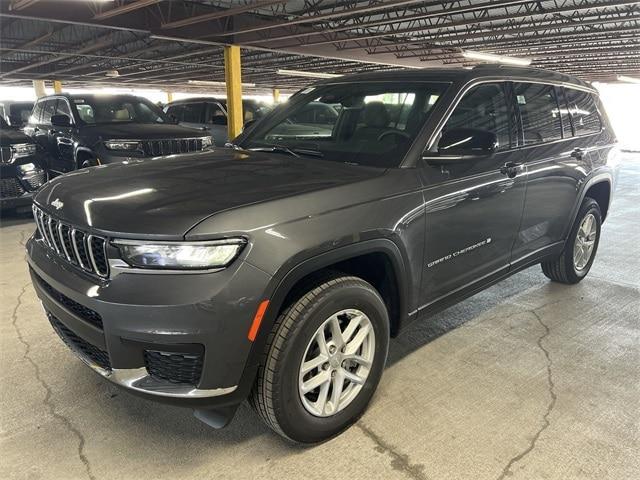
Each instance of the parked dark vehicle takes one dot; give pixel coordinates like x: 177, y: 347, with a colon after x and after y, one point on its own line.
x: 22, y: 171
x: 80, y: 131
x: 279, y: 272
x: 15, y: 113
x: 210, y: 114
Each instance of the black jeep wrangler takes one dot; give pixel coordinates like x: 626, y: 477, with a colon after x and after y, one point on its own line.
x: 279, y: 270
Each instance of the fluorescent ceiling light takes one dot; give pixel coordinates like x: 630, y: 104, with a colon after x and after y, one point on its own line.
x: 210, y: 83
x: 624, y: 78
x: 490, y: 57
x: 299, y: 73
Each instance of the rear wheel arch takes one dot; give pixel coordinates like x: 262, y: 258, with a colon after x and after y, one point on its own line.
x: 600, y: 191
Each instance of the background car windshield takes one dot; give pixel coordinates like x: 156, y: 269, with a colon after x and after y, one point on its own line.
x: 366, y: 124
x: 116, y: 110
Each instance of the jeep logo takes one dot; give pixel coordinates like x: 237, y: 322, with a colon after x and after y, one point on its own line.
x: 57, y: 204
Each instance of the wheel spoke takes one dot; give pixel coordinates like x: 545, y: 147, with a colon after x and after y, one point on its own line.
x: 337, y: 383
x: 354, y: 345
x: 322, y: 342
x: 354, y: 323
x: 321, y: 402
x: 314, y: 382
x: 352, y: 377
x: 336, y: 332
x: 313, y: 363
x: 358, y: 359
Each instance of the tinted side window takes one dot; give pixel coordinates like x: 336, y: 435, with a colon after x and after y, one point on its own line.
x: 583, y: 111
x: 175, y: 111
x: 63, y: 109
x: 37, y: 112
x: 193, y: 112
x: 215, y: 114
x: 48, y: 110
x: 539, y: 112
x: 484, y: 107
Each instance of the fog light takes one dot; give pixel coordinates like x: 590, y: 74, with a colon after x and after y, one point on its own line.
x: 26, y: 168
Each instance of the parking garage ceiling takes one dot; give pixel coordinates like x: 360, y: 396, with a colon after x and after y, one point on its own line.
x: 166, y: 44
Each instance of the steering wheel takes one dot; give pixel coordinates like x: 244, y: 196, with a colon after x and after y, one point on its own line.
x: 394, y: 132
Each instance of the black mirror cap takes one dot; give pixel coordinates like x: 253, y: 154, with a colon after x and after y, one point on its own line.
x: 60, y: 120
x: 467, y: 142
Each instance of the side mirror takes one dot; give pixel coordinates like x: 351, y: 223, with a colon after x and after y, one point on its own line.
x: 464, y: 144
x: 60, y: 120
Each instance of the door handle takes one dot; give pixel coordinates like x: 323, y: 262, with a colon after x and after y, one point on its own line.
x: 510, y: 169
x: 577, y: 153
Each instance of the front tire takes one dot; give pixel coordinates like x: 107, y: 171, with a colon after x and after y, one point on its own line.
x: 324, y: 359
x: 581, y: 246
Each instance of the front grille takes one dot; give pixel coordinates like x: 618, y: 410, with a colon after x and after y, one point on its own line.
x: 35, y: 180
x: 89, y: 252
x: 79, y: 345
x: 154, y: 148
x: 85, y: 313
x: 10, y: 187
x: 175, y: 367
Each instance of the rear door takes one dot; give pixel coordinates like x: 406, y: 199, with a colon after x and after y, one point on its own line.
x: 557, y: 162
x: 474, y: 208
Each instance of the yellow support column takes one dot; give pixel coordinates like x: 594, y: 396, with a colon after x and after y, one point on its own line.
x: 38, y: 86
x: 276, y: 95
x: 169, y: 97
x: 232, y: 77
x: 57, y: 86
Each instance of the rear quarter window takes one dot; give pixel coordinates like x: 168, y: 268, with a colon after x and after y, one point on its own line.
x: 583, y: 111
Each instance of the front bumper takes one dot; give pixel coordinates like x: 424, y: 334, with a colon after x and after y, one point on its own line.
x: 180, y: 339
x: 17, y: 188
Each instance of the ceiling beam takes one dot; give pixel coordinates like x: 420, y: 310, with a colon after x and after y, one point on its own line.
x: 229, y: 12
x: 125, y: 8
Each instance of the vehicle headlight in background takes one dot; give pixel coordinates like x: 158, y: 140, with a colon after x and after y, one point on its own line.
x: 27, y: 168
x: 19, y: 150
x: 180, y: 255
x: 207, y: 142
x: 127, y: 145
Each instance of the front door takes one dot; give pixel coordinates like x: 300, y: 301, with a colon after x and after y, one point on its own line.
x: 61, y: 140
x: 473, y: 207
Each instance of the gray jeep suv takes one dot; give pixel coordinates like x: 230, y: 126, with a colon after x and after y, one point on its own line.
x: 279, y: 270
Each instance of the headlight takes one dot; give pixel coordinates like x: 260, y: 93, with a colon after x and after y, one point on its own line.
x: 127, y: 145
x: 22, y: 150
x: 207, y: 142
x: 180, y: 255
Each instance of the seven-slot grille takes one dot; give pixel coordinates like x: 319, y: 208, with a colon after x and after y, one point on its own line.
x: 155, y: 148
x: 84, y: 250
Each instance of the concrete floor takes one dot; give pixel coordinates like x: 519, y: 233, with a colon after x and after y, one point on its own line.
x: 527, y: 380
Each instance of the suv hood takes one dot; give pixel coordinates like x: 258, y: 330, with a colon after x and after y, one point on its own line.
x: 141, y: 131
x: 9, y: 136
x: 166, y: 197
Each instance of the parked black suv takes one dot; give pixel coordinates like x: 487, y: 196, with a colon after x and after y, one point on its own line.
x: 22, y: 170
x: 86, y: 130
x: 278, y: 272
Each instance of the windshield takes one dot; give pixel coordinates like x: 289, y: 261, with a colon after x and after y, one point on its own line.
x: 371, y: 124
x: 93, y: 110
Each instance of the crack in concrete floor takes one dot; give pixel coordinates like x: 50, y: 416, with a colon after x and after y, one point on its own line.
x: 48, y: 402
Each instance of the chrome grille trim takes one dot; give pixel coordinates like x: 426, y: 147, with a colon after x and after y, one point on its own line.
x: 56, y: 234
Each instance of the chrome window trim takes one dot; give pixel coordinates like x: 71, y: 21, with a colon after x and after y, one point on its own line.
x: 503, y: 79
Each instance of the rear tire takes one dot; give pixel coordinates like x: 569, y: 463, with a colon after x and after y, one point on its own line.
x: 283, y: 396
x: 581, y: 246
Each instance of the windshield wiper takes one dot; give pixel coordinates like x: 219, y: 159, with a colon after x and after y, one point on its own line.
x: 275, y: 149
